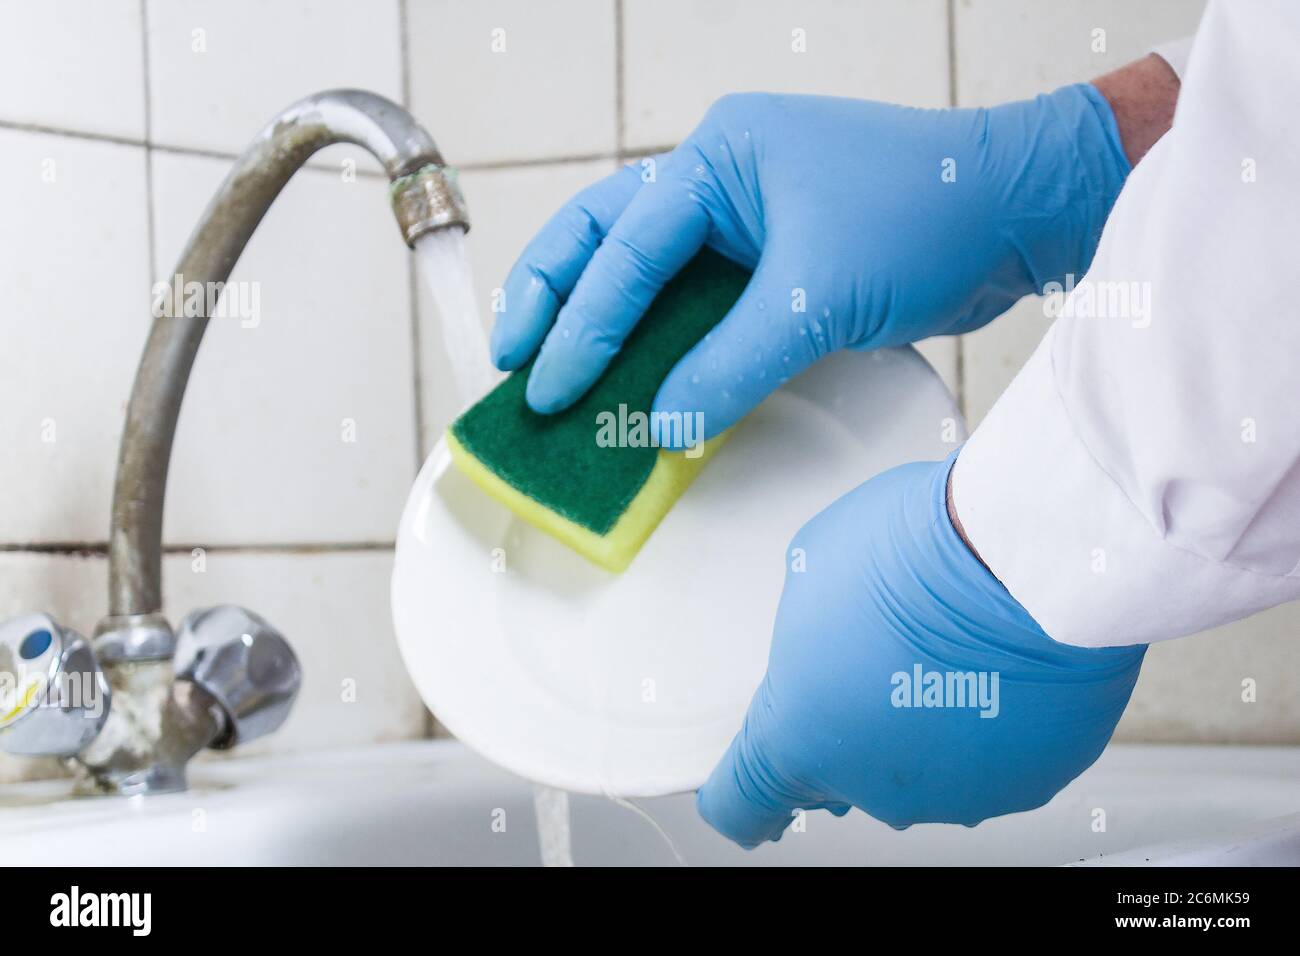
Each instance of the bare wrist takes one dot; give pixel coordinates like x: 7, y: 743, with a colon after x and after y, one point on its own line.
x: 1142, y: 96
x: 956, y: 525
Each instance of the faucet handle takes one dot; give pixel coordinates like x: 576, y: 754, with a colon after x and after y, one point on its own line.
x: 244, y: 663
x: 54, y: 698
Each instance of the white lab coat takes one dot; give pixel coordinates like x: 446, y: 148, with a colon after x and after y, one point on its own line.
x: 1140, y: 478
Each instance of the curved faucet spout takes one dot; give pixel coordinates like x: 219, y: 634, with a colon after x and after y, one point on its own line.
x: 425, y: 197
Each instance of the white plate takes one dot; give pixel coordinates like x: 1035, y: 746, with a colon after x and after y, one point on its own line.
x: 633, y: 684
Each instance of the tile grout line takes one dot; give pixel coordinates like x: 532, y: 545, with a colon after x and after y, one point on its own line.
x: 495, y: 165
x: 97, y: 549
x: 952, y: 52
x: 147, y: 143
x: 404, y: 57
x: 620, y: 76
x: 151, y: 237
x: 100, y: 548
x: 959, y: 362
x: 171, y: 149
x: 412, y: 277
x: 22, y: 127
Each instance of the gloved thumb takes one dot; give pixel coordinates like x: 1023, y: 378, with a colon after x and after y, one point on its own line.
x: 761, y: 343
x: 748, y: 798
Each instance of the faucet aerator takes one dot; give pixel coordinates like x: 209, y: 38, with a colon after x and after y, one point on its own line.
x: 426, y: 200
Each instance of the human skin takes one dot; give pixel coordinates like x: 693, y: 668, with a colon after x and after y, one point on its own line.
x: 1142, y: 95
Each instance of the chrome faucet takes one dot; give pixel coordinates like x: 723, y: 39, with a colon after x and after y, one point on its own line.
x: 131, y: 707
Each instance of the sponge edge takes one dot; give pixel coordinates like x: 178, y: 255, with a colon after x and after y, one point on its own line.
x: 672, y: 473
x: 602, y: 494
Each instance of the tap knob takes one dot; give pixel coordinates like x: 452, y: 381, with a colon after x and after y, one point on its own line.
x: 54, y: 698
x: 244, y: 663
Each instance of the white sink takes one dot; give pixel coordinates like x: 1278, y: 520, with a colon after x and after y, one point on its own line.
x: 434, y: 802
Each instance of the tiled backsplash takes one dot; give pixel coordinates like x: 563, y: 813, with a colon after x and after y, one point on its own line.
x: 108, y: 155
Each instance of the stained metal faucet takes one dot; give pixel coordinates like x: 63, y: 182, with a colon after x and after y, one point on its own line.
x: 131, y: 707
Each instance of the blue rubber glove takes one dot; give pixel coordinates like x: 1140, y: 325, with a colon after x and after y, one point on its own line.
x: 889, y: 591
x: 865, y: 224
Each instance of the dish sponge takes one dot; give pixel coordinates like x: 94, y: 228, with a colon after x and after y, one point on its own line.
x: 562, y: 473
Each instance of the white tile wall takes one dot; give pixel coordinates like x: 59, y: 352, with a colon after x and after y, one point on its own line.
x: 73, y: 64
x: 1192, y: 689
x: 219, y: 71
x: 502, y: 80
x: 1009, y: 49
x: 74, y: 309
x: 680, y: 55
x: 992, y: 356
x: 259, y: 459
x: 264, y: 451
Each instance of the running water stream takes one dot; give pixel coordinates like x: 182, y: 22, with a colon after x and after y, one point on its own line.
x: 442, y: 258
x: 553, y: 839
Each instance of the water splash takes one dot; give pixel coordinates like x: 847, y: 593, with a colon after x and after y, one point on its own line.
x: 443, y: 260
x: 645, y: 815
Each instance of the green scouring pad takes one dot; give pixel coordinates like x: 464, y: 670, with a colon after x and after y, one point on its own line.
x: 602, y: 499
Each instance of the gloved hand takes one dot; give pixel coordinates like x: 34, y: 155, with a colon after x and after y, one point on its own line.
x: 890, y: 601
x: 866, y: 225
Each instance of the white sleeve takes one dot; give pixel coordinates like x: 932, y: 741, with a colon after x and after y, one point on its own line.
x: 1140, y: 478
x: 1176, y: 53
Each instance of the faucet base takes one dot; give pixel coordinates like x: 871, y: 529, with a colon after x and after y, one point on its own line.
x: 134, y: 637
x: 145, y: 781
x: 156, y: 725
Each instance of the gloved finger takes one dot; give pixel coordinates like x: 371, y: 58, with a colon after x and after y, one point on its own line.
x: 663, y: 226
x: 551, y: 263
x: 758, y: 346
x: 748, y: 798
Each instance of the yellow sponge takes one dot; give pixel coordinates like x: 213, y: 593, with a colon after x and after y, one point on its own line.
x: 614, y: 550
x: 561, y: 472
